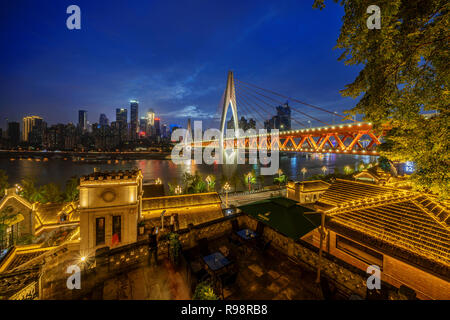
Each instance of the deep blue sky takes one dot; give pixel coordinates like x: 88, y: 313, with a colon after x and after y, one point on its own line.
x: 172, y: 56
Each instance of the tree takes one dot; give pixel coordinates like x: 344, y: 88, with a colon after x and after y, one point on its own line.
x: 50, y: 193
x: 280, y: 179
x: 236, y: 180
x: 405, y: 73
x: 6, y: 215
x: 3, y: 182
x: 29, y: 190
x: 384, y: 164
x: 261, y: 180
x: 71, y: 193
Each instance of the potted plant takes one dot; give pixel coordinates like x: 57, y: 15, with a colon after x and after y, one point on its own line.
x: 141, y: 227
x: 204, y: 291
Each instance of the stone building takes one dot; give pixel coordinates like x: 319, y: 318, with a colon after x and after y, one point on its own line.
x: 306, y: 191
x: 109, y: 209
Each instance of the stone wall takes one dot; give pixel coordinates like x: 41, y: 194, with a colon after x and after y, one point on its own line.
x: 347, y: 280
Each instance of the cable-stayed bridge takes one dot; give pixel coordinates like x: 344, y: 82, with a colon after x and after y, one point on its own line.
x: 313, y: 132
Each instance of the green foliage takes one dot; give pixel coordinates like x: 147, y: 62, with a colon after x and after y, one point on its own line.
x: 3, y: 182
x: 210, y: 182
x: 71, y: 193
x: 236, y: 180
x: 6, y: 214
x: 280, y: 179
x: 261, y: 180
x: 50, y: 193
x: 204, y: 291
x: 29, y: 190
x: 174, y: 248
x: 250, y: 178
x: 172, y: 186
x: 384, y: 163
x: 405, y: 72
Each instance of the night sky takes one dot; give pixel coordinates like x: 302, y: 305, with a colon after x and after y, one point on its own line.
x: 172, y: 56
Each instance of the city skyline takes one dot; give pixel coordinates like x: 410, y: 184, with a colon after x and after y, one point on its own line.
x: 165, y: 69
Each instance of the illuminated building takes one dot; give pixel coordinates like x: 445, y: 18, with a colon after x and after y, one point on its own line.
x: 109, y: 209
x: 134, y: 119
x: 157, y: 127
x: 82, y: 120
x: 405, y: 233
x: 27, y: 126
x: 121, y: 121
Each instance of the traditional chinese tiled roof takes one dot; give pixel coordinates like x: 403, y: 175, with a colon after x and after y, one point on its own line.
x: 13, y: 282
x: 343, y: 192
x: 414, y: 227
x: 49, y: 215
x: 21, y: 255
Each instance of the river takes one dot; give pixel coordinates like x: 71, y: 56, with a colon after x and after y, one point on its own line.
x: 59, y: 171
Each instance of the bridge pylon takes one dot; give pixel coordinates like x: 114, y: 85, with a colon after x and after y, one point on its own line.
x: 229, y: 98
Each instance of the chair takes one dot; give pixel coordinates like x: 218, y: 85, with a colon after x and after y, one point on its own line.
x: 235, y: 225
x: 260, y: 228
x: 203, y: 246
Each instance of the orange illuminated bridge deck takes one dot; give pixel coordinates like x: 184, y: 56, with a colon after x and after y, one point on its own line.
x: 353, y: 138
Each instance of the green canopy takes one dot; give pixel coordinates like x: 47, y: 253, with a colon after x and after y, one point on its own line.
x: 284, y: 215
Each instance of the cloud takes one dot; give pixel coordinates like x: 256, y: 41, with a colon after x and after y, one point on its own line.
x: 189, y: 112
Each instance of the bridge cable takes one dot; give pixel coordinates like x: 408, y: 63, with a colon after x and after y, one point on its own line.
x: 277, y: 101
x: 270, y: 115
x: 293, y: 99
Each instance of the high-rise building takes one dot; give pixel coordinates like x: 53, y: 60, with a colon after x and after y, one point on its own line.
x: 142, y: 127
x: 13, y: 133
x: 103, y: 121
x: 82, y: 119
x: 35, y: 137
x: 150, y: 122
x: 157, y: 127
x: 27, y: 125
x: 121, y: 120
x: 282, y: 120
x: 134, y: 119
x: 164, y: 131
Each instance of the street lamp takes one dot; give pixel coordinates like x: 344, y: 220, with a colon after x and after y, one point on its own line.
x: 324, y: 169
x: 227, y: 188
x: 249, y: 179
x: 304, y: 171
x: 178, y: 190
x: 158, y: 181
x: 208, y: 181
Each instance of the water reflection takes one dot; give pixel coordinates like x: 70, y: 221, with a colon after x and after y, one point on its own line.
x: 59, y: 170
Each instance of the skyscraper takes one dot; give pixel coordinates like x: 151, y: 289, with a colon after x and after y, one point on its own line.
x: 13, y: 133
x: 82, y: 119
x: 27, y: 125
x: 150, y: 122
x: 121, y: 116
x: 157, y: 127
x: 134, y: 119
x: 103, y: 121
x: 121, y: 120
